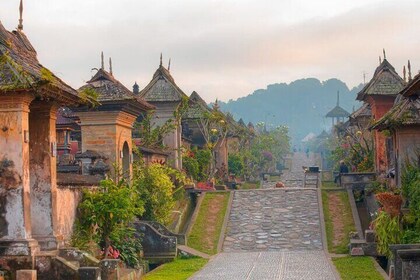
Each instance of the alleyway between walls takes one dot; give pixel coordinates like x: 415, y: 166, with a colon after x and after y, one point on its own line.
x: 274, y: 233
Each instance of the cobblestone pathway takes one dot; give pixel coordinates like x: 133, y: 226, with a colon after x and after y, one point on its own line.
x: 272, y: 220
x: 273, y: 234
x: 293, y: 178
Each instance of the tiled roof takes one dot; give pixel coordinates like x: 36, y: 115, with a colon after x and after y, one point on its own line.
x: 337, y: 112
x: 110, y: 89
x: 21, y: 70
x: 385, y: 81
x: 162, y: 88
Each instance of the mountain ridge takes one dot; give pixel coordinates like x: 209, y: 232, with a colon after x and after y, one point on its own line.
x: 301, y: 105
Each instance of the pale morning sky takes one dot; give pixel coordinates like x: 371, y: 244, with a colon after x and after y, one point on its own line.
x: 222, y: 49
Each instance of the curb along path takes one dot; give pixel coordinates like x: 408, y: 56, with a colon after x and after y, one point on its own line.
x: 273, y: 234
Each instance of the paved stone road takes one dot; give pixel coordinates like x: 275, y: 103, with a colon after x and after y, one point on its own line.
x: 273, y: 234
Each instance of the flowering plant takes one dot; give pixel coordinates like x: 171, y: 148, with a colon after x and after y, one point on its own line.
x: 113, y: 253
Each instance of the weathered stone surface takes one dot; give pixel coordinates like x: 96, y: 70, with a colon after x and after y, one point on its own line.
x: 89, y: 273
x: 370, y: 236
x: 26, y: 274
x: 357, y: 251
x: 410, y: 263
x: 397, y: 260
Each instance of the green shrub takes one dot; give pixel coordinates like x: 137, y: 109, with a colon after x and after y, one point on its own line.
x: 104, y: 221
x: 155, y: 187
x: 388, y: 231
x: 236, y: 164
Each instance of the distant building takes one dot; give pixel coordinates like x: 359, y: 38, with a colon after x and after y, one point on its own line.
x: 337, y: 114
x: 166, y: 96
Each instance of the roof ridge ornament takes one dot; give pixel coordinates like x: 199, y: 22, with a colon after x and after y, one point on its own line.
x: 20, y: 25
x: 160, y: 59
x: 404, y: 74
x: 110, y: 66
x: 102, y: 60
x: 383, y: 50
x: 409, y: 70
x: 169, y: 65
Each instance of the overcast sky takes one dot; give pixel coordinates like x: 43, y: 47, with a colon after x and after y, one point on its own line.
x: 222, y: 49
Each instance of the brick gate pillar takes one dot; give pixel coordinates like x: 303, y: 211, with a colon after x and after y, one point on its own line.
x: 43, y: 172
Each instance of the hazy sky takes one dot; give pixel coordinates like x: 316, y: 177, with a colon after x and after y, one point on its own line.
x: 221, y: 49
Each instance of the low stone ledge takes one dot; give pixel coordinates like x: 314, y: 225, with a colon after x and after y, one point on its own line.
x: 397, y: 261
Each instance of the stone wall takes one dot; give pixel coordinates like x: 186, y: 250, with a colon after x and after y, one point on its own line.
x: 68, y: 198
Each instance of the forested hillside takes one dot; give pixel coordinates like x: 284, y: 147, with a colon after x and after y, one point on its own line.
x: 301, y: 105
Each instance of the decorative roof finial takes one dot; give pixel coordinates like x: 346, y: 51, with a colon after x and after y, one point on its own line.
x: 380, y: 60
x: 20, y: 25
x: 160, y: 59
x: 338, y: 98
x: 383, y: 50
x: 136, y: 88
x: 110, y: 66
x: 102, y: 60
x: 404, y: 74
x: 216, y: 105
x: 409, y: 70
x: 169, y: 65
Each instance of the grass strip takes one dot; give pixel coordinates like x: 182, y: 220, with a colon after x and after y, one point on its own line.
x: 250, y: 185
x: 179, y: 269
x: 357, y: 268
x: 206, y: 230
x: 345, y: 214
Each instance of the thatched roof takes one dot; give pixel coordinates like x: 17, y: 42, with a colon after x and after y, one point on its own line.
x: 110, y: 89
x: 20, y: 70
x: 363, y: 111
x: 385, y: 81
